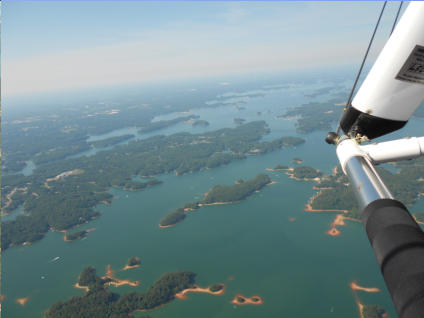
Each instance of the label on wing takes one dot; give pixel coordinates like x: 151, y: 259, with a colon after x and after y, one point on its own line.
x: 413, y: 69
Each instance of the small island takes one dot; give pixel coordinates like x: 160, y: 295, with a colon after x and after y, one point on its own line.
x: 305, y: 173
x: 279, y: 168
x: 219, y: 194
x: 133, y: 262
x: 297, y: 160
x: 240, y: 300
x: 22, y: 301
x: 239, y: 121
x: 200, y: 123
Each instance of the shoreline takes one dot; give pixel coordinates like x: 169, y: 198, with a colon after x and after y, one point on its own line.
x: 197, y: 289
x: 78, y: 286
x: 22, y: 301
x: 127, y: 267
x: 116, y: 281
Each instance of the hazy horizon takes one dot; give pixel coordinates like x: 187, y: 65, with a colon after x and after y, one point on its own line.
x: 59, y: 46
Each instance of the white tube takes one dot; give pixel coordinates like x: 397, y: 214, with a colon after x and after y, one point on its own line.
x: 394, y: 87
x: 395, y: 150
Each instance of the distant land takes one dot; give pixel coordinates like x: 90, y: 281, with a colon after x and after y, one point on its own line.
x: 219, y: 194
x: 200, y: 123
x: 57, y: 198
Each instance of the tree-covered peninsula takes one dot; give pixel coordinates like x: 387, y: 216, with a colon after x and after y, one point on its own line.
x: 219, y: 194
x: 52, y: 202
x: 336, y: 194
x: 99, y: 302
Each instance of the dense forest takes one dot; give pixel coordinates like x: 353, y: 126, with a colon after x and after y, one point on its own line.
x: 133, y: 261
x: 200, y: 123
x: 306, y: 172
x: 99, y: 302
x: 76, y: 235
x: 219, y: 194
x: 65, y: 202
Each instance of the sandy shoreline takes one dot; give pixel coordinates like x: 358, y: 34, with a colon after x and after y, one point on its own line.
x: 198, y: 289
x: 22, y: 301
x: 110, y: 274
x: 78, y: 286
x: 127, y: 267
x: 355, y: 287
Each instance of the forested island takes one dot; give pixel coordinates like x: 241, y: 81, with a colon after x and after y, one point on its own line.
x: 99, y: 302
x: 305, y: 173
x: 279, y: 167
x: 67, y: 202
x: 219, y: 194
x: 133, y: 262
x: 200, y: 123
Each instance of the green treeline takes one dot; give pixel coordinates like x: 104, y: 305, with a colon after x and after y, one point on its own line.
x: 280, y: 167
x: 99, y: 302
x: 110, y: 141
x: 134, y: 261
x: 173, y: 218
x: 314, y: 116
x: 220, y: 193
x: 236, y: 192
x: 70, y: 201
x: 76, y: 235
x: 156, y: 125
x: 200, y: 123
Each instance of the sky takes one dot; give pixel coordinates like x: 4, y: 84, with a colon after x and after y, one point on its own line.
x: 51, y: 46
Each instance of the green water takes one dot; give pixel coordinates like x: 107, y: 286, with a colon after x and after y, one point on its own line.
x: 295, y: 267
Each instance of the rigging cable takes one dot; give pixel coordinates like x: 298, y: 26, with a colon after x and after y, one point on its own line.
x: 397, y: 16
x: 362, y: 65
